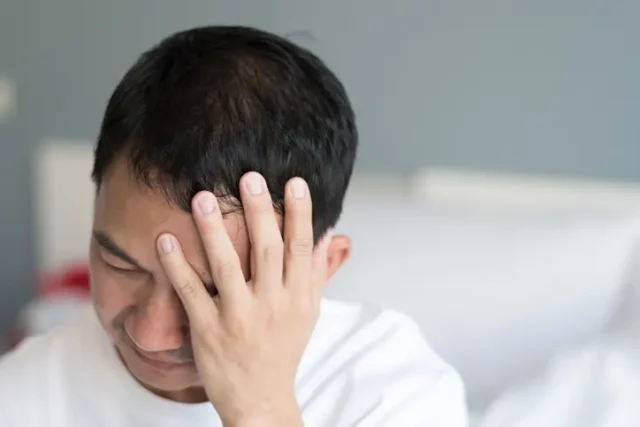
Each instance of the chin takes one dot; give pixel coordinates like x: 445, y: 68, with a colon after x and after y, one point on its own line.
x: 177, y: 390
x: 165, y: 382
x: 160, y: 379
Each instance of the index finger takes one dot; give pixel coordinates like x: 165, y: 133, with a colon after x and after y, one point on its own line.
x: 196, y: 300
x: 222, y: 257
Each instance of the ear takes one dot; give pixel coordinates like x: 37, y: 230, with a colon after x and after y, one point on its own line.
x: 338, y: 253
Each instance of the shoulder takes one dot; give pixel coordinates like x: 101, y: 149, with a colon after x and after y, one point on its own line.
x: 395, y: 377
x: 24, y: 371
x: 28, y: 367
x: 27, y: 360
x: 377, y: 336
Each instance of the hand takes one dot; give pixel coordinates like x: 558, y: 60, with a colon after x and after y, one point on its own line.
x: 249, y: 339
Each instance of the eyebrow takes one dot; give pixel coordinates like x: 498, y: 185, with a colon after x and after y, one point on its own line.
x: 110, y: 246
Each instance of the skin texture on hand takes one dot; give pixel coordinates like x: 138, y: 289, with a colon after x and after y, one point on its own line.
x: 249, y: 339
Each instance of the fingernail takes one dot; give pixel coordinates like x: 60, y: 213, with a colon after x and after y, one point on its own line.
x: 166, y: 244
x: 206, y: 203
x: 254, y: 183
x: 298, y: 188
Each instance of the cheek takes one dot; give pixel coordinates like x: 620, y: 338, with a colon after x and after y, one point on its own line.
x: 109, y: 295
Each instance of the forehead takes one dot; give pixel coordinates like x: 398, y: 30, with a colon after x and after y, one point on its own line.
x: 134, y: 216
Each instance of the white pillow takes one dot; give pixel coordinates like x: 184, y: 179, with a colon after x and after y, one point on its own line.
x: 495, y: 292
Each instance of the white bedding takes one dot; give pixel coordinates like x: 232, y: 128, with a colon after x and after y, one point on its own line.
x: 595, y: 386
x: 496, y: 292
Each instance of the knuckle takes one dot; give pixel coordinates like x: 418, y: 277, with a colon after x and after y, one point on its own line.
x: 264, y: 205
x: 211, y: 228
x: 225, y: 270
x: 270, y: 320
x: 271, y: 253
x: 300, y: 247
x: 238, y: 329
x: 307, y: 307
x: 207, y: 227
x: 261, y: 205
x: 203, y: 327
x: 187, y: 289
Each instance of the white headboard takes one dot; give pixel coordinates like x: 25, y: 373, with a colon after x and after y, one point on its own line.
x: 64, y: 201
x: 64, y: 194
x: 513, y: 190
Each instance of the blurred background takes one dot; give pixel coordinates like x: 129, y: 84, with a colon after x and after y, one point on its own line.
x: 545, y: 90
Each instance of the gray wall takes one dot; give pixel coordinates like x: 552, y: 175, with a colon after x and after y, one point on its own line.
x: 543, y: 86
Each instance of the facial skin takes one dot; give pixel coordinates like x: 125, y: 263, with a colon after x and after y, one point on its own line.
x: 134, y: 300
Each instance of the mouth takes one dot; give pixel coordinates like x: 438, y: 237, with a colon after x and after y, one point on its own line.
x: 160, y: 365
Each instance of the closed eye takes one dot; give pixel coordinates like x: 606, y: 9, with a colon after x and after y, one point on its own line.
x: 110, y: 250
x: 122, y: 269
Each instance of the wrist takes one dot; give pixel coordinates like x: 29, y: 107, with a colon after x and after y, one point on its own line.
x: 284, y: 413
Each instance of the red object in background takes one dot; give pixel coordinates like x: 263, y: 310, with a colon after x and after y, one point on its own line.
x: 74, y: 279
x: 59, y: 295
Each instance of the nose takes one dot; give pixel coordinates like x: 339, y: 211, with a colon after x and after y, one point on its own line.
x: 159, y: 323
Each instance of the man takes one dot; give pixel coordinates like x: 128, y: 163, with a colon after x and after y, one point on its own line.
x: 220, y: 169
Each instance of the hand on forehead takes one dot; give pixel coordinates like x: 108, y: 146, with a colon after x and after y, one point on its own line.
x: 130, y: 217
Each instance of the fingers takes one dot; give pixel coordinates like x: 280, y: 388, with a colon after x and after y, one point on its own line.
x: 264, y: 233
x: 298, y: 234
x: 224, y: 263
x: 195, y: 298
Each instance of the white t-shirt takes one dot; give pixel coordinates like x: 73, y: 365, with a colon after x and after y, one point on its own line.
x: 361, y: 368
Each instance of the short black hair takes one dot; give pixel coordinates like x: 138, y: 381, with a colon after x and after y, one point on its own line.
x: 209, y: 104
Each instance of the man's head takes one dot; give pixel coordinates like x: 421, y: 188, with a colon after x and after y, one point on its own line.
x: 195, y: 113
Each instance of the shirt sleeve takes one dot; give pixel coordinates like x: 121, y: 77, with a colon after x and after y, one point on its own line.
x: 411, y: 404
x: 23, y: 383
x: 10, y: 386
x: 402, y: 382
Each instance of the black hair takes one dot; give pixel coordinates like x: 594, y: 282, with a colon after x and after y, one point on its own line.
x: 209, y: 104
